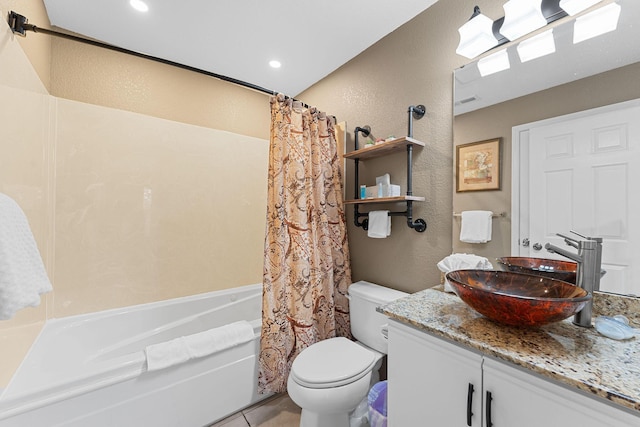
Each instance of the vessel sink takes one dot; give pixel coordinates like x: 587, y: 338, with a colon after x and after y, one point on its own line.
x: 552, y: 268
x: 517, y: 299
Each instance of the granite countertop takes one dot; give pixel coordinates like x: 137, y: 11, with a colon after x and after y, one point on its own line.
x: 575, y: 356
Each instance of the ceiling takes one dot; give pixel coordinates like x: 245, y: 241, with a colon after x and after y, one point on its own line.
x: 238, y: 38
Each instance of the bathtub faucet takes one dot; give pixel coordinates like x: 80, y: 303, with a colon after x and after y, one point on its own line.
x: 589, y: 260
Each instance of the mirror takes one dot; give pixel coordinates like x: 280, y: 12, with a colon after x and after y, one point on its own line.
x: 570, y: 62
x: 540, y: 89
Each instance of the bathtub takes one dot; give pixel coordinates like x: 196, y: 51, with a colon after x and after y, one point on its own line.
x: 90, y: 370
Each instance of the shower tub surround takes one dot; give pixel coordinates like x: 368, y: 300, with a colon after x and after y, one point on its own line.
x: 578, y: 358
x: 91, y: 369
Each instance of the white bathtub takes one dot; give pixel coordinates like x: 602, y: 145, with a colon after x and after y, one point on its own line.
x: 90, y: 370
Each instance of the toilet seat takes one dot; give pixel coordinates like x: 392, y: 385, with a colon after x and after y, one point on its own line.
x: 332, y: 363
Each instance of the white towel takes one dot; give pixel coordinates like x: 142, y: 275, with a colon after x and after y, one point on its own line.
x: 379, y: 224
x: 22, y: 274
x: 165, y: 354
x: 182, y: 349
x: 476, y: 226
x: 217, y: 339
x: 462, y: 262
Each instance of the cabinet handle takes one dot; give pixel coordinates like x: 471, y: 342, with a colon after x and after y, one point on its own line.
x: 487, y: 409
x: 469, y: 404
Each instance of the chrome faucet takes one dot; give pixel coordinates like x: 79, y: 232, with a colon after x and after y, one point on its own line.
x: 589, y: 259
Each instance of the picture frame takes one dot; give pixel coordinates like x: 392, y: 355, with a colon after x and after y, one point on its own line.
x: 478, y: 166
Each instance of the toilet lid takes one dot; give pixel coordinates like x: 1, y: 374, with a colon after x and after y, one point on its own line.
x: 331, y: 363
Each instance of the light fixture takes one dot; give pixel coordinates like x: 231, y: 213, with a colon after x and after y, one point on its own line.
x: 522, y: 17
x: 596, y: 23
x: 573, y: 7
x: 494, y: 63
x: 275, y: 63
x: 476, y: 35
x: 537, y: 46
x: 139, y: 5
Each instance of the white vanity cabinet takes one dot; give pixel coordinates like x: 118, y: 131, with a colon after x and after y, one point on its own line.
x: 433, y: 382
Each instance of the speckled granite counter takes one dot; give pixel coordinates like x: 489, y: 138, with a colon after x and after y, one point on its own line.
x: 575, y: 356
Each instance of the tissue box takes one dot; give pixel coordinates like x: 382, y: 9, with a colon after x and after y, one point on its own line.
x: 392, y: 191
x: 372, y: 192
x: 387, y: 191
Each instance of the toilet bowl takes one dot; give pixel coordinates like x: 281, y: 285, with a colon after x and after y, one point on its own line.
x: 330, y: 378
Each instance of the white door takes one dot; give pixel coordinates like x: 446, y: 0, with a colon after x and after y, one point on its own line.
x: 584, y: 175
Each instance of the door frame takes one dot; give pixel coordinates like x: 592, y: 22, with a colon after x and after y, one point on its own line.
x: 520, y: 168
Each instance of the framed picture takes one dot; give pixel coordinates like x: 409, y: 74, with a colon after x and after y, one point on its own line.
x: 478, y: 166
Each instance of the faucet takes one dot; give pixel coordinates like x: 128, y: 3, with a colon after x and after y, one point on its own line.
x: 589, y: 260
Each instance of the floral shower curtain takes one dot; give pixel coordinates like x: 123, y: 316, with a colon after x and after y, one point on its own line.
x: 306, y: 259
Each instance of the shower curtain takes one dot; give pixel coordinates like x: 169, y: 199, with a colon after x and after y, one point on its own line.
x: 306, y: 256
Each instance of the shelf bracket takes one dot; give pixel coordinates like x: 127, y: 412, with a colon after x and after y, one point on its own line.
x: 415, y: 112
x: 419, y: 224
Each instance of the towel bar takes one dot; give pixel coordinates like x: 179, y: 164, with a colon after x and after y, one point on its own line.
x: 500, y: 215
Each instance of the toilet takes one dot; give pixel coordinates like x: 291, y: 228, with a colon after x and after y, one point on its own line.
x: 330, y: 378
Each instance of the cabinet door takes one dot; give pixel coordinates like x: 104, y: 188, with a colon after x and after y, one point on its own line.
x: 431, y: 381
x: 523, y: 399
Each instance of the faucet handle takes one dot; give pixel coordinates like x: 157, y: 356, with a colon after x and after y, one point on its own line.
x: 595, y: 239
x: 570, y: 240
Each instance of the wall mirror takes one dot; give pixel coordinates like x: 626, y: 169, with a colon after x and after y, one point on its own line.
x: 570, y: 62
x: 530, y: 86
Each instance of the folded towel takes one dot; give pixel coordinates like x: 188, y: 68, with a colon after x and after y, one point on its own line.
x: 462, y: 262
x: 217, y: 339
x: 476, y: 226
x: 22, y: 274
x: 165, y: 354
x: 379, y: 224
x: 182, y: 349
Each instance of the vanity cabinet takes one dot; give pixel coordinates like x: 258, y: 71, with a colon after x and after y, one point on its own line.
x: 433, y: 382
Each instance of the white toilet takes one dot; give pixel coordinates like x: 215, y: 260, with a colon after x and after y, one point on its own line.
x: 330, y: 378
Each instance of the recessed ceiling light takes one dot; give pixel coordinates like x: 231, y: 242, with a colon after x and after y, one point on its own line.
x: 275, y: 64
x: 139, y: 5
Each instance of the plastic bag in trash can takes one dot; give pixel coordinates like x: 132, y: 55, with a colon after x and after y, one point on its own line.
x: 378, y: 405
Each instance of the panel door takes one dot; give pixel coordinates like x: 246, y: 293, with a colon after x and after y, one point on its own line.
x: 584, y: 175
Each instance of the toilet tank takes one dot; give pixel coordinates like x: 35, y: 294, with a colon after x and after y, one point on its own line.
x: 366, y: 322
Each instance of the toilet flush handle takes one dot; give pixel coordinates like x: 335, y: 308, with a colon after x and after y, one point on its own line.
x: 384, y: 330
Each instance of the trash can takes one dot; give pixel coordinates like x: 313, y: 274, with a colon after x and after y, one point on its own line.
x: 377, y: 400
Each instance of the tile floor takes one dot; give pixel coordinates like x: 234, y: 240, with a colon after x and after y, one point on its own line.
x: 276, y: 411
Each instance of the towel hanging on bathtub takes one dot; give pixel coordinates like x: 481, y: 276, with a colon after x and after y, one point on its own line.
x: 476, y: 226
x: 182, y: 349
x: 22, y: 274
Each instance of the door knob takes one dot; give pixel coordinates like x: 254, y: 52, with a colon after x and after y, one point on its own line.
x: 537, y: 246
x: 525, y: 242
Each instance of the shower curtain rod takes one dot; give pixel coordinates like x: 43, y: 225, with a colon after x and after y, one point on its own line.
x: 19, y: 24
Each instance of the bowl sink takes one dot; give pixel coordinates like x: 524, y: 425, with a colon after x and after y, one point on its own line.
x: 552, y: 268
x: 517, y: 299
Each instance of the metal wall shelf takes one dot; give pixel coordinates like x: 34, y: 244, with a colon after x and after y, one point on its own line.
x: 382, y: 149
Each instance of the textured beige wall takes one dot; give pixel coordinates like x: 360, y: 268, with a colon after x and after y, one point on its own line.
x: 103, y: 77
x: 411, y: 66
